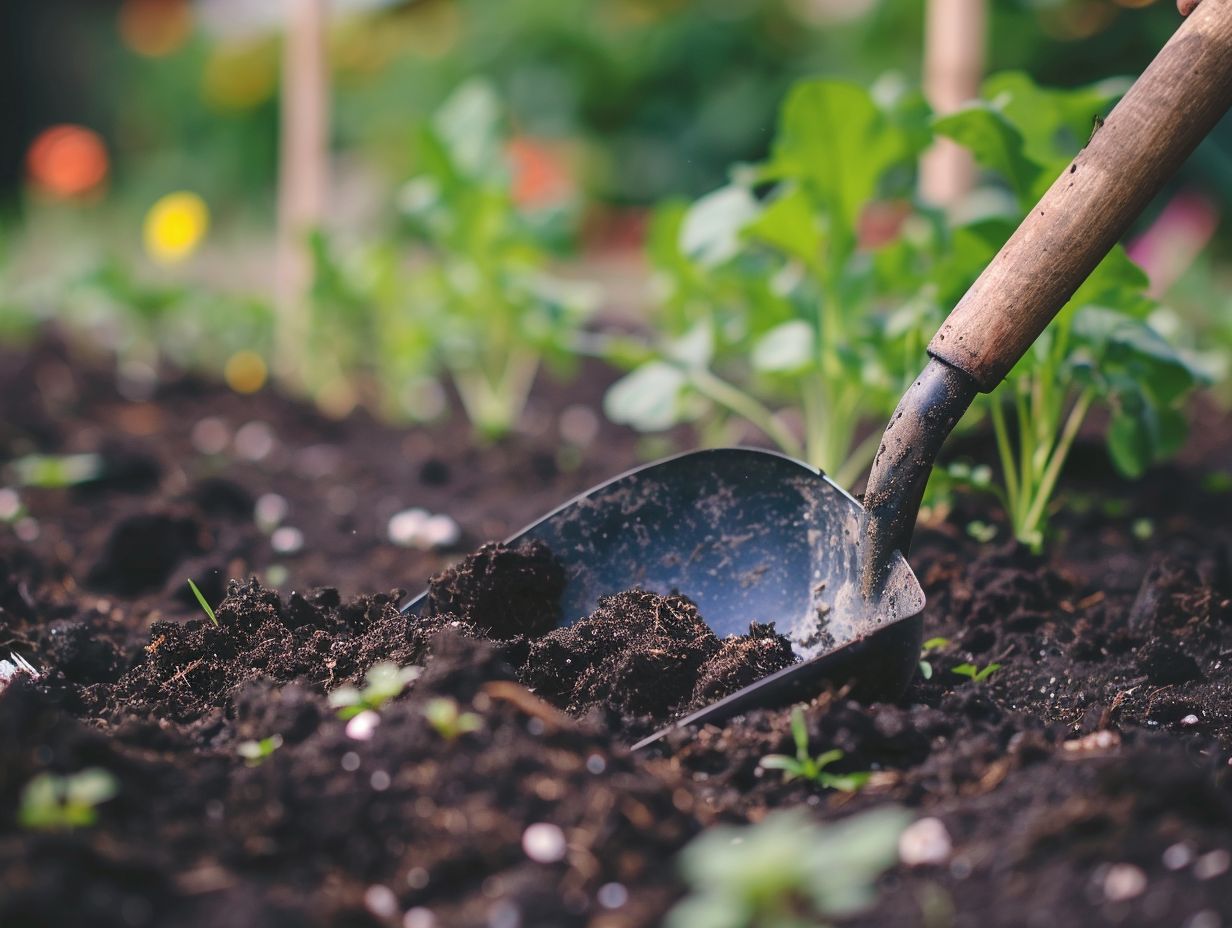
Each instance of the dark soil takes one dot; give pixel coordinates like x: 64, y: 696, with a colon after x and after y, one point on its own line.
x: 1102, y: 743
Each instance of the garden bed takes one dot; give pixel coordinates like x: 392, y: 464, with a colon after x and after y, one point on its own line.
x: 1085, y: 782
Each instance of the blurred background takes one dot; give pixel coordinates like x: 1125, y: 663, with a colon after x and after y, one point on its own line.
x: 176, y: 175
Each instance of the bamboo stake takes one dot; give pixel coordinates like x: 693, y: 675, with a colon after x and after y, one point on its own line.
x: 955, y: 34
x: 303, y: 176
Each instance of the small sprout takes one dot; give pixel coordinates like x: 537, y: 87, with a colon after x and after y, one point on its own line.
x: 975, y: 674
x: 209, y: 611
x: 806, y: 767
x: 256, y: 753
x: 383, y: 682
x: 931, y: 645
x: 52, y: 803
x: 448, y: 720
x: 54, y: 472
x: 982, y: 532
x: 1143, y: 529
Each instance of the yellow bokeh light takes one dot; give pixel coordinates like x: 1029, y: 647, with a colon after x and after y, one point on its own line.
x: 245, y: 372
x: 175, y: 226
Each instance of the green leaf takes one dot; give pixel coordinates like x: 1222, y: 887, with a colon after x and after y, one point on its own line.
x: 469, y: 125
x: 648, y: 398
x: 791, y: 224
x: 786, y: 349
x: 994, y: 142
x: 833, y: 136
x: 710, y: 232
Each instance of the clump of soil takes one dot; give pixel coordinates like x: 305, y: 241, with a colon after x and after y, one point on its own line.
x: 639, y: 655
x: 503, y: 590
x: 645, y: 655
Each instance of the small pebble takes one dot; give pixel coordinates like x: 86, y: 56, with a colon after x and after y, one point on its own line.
x: 1123, y: 882
x: 211, y: 436
x: 405, y: 526
x: 1190, y: 720
x: 1178, y: 856
x: 362, y: 726
x: 612, y: 895
x: 440, y: 531
x: 287, y: 540
x: 26, y: 529
x: 269, y: 511
x: 417, y: 878
x: 10, y: 504
x: 350, y: 761
x: 544, y: 843
x: 380, y: 781
x: 925, y: 843
x: 504, y: 914
x: 578, y: 425
x: 1207, y: 918
x: 419, y: 917
x: 381, y: 901
x: 254, y: 441
x: 1096, y: 741
x: 596, y: 764
x: 1212, y: 864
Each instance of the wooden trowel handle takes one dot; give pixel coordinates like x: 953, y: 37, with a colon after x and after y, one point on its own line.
x: 1165, y: 114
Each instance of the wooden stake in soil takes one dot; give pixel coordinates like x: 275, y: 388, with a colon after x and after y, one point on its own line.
x: 954, y: 39
x: 303, y: 175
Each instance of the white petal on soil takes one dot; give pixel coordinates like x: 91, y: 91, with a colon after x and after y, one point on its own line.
x: 925, y: 843
x: 363, y: 725
x: 1123, y: 882
x: 544, y: 843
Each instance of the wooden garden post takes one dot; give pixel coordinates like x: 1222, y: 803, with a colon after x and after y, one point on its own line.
x: 954, y: 43
x: 303, y: 175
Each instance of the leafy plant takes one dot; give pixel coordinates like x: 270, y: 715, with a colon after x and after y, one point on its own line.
x: 256, y: 753
x: 790, y: 310
x: 1101, y: 348
x: 53, y: 472
x: 383, y: 682
x: 975, y: 674
x: 787, y: 871
x: 806, y: 767
x: 51, y: 802
x: 205, y: 606
x: 448, y: 720
x: 929, y: 646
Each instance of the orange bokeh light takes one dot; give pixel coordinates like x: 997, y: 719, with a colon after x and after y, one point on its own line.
x: 67, y: 160
x: 155, y: 28
x: 541, y: 174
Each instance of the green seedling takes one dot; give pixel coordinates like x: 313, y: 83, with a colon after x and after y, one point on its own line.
x: 806, y: 767
x: 53, y: 472
x: 256, y: 753
x: 55, y: 803
x: 974, y: 673
x: 787, y: 871
x: 448, y: 720
x: 205, y: 606
x: 1101, y: 349
x: 981, y: 531
x: 931, y: 645
x: 383, y: 682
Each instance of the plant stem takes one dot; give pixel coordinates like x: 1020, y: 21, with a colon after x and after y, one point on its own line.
x: 739, y: 402
x: 1009, y: 473
x: 1048, y: 481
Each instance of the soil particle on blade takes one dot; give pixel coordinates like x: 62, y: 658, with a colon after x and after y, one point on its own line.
x: 504, y: 590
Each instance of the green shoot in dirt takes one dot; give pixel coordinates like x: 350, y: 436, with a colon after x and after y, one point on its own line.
x: 931, y: 645
x: 1101, y: 349
x: 787, y: 871
x: 974, y: 673
x: 205, y: 606
x: 256, y: 753
x: 448, y: 720
x: 383, y: 682
x: 56, y: 803
x: 806, y: 767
